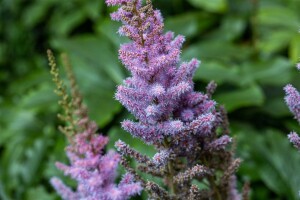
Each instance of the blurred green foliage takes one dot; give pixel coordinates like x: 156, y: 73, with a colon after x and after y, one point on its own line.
x: 248, y: 47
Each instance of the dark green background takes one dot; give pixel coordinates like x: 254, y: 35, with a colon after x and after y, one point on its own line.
x: 249, y: 47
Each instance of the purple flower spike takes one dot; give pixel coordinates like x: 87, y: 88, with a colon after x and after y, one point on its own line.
x: 295, y: 139
x: 178, y: 121
x: 292, y: 99
x: 93, y: 171
x: 160, y: 86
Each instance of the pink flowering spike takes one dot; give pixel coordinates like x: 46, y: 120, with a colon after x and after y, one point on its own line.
x: 177, y: 42
x: 292, y: 99
x: 295, y: 139
x: 202, y: 125
x: 171, y: 127
x: 157, y: 90
x: 220, y: 143
x: 298, y: 66
x: 205, y: 107
x: 130, y: 189
x: 147, y: 133
x: 126, y: 179
x: 116, y: 2
x: 195, y: 98
x: 65, y: 192
x: 177, y: 91
x: 152, y: 110
x: 186, y: 71
x: 161, y: 158
x: 233, y: 193
x: 93, y: 171
x: 187, y: 115
x: 133, y: 103
x: 108, y: 165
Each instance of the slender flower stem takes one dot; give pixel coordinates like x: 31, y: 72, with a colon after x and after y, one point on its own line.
x: 170, y: 176
x: 211, y: 180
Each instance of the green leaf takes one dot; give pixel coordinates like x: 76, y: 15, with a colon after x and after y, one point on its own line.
x: 251, y: 96
x: 36, y: 12
x: 214, y: 50
x: 219, y: 6
x: 294, y: 50
x: 93, y: 9
x: 71, y: 20
x: 117, y: 133
x: 274, y: 41
x: 189, y: 24
x: 33, y: 157
x: 274, y: 159
x: 109, y: 29
x: 216, y: 71
x: 232, y: 27
x: 97, y: 70
x: 30, y: 81
x: 40, y: 99
x: 98, y: 91
x: 278, y: 16
x: 265, y: 72
x: 95, y: 51
x: 39, y: 193
x: 276, y: 107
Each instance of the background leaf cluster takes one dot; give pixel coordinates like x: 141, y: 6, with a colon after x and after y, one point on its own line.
x: 248, y: 47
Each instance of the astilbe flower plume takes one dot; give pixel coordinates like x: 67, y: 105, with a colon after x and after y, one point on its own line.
x: 93, y: 171
x: 292, y: 99
x: 189, y: 133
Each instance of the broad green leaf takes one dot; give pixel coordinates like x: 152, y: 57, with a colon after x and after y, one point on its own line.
x: 98, y: 91
x: 41, y: 98
x: 189, y: 24
x: 274, y: 159
x: 26, y: 83
x: 274, y: 41
x: 93, y: 9
x: 39, y: 193
x: 219, y: 6
x: 71, y: 20
x: 278, y: 16
x: 294, y: 50
x: 217, y: 51
x: 32, y: 162
x: 3, y: 194
x: 216, y: 71
x: 276, y: 107
x: 110, y: 30
x: 265, y: 72
x: 251, y: 96
x: 95, y: 51
x: 98, y: 71
x: 117, y: 133
x: 232, y: 27
x: 35, y: 13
